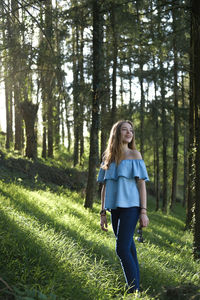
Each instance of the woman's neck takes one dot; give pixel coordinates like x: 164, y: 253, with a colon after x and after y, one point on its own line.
x: 125, y: 148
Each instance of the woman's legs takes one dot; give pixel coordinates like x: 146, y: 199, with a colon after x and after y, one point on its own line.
x: 124, y: 221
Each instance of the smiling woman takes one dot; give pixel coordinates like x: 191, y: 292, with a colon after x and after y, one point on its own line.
x: 123, y: 175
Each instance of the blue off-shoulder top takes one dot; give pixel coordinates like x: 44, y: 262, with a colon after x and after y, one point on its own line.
x: 121, y: 188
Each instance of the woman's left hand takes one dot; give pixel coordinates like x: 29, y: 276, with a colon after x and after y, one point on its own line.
x: 144, y: 220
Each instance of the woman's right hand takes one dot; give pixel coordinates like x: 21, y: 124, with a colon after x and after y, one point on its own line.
x: 144, y: 220
x: 104, y: 223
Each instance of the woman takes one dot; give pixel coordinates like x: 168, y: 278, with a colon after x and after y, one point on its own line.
x: 123, y: 174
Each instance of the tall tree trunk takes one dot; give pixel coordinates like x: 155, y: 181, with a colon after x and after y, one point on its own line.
x: 9, y: 111
x: 121, y: 91
x: 191, y: 150
x: 49, y: 75
x: 97, y: 86
x: 185, y: 143
x: 142, y: 103
x: 114, y: 67
x: 130, y: 88
x: 63, y: 126
x: 196, y: 96
x: 157, y: 157
x: 176, y: 121
x: 47, y: 78
x: 16, y: 48
x: 82, y: 96
x: 50, y: 124
x: 164, y: 142
x: 75, y: 40
x: 44, y: 129
x: 68, y: 125
x: 7, y: 75
x: 105, y: 100
x: 59, y: 84
x: 18, y: 119
x: 141, y: 80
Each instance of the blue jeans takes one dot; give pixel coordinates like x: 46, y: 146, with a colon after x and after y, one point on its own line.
x: 124, y: 221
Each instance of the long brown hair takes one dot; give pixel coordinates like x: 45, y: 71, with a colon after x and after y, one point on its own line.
x: 113, y: 151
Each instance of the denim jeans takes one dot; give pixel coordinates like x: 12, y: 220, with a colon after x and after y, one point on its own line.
x: 124, y: 221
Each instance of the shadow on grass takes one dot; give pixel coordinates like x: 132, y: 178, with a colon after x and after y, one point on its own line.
x: 171, y: 239
x: 25, y: 259
x: 22, y: 203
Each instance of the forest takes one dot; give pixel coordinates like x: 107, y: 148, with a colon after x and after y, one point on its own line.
x: 70, y: 69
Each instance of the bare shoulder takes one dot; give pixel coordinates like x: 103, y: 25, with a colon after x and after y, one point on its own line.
x: 135, y: 154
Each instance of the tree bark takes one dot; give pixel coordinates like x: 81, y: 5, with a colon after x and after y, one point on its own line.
x: 196, y: 95
x: 49, y: 76
x: 82, y: 96
x: 16, y: 64
x: 185, y: 147
x: 105, y: 100
x: 75, y: 94
x: 176, y: 121
x: 7, y: 81
x: 191, y: 170
x: 157, y: 157
x: 29, y: 112
x: 114, y: 67
x: 164, y: 143
x: 97, y: 86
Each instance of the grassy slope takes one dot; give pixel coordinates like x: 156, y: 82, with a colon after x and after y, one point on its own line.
x: 51, y: 243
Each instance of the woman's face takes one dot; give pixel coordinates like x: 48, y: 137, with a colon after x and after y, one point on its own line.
x: 126, y: 133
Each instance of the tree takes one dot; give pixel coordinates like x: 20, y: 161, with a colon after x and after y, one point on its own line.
x: 7, y: 42
x: 16, y: 53
x: 191, y: 170
x: 97, y: 86
x: 115, y: 56
x: 46, y: 59
x: 176, y: 121
x: 196, y: 98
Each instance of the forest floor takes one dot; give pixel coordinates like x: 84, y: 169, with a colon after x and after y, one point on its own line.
x: 52, y: 248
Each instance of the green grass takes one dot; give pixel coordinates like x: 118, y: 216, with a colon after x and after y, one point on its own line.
x: 51, y: 246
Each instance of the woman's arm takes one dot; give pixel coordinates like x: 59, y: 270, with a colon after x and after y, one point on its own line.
x: 103, y: 223
x: 144, y: 220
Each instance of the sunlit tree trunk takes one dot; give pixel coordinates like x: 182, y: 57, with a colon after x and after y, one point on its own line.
x: 6, y: 32
x: 50, y: 77
x: 75, y: 41
x: 16, y: 52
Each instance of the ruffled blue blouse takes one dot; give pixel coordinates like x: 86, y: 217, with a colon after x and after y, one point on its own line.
x: 121, y: 188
